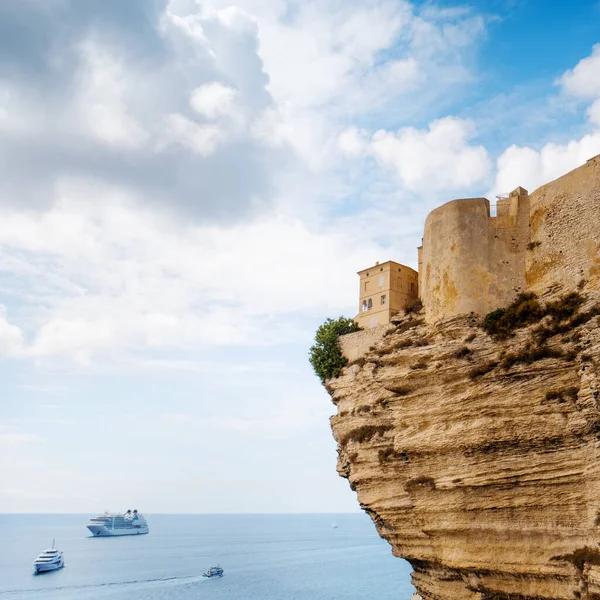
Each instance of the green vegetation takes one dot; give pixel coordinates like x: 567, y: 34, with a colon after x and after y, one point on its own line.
x: 529, y: 354
x: 526, y: 310
x: 325, y: 355
x: 502, y: 322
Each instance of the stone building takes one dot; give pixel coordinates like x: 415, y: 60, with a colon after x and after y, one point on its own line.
x: 476, y: 258
x: 474, y: 261
x: 385, y: 289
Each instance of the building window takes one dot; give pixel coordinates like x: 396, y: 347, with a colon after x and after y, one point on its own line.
x: 364, y: 305
x: 383, y: 299
x: 412, y: 287
x: 367, y: 286
x: 370, y: 304
x: 381, y: 281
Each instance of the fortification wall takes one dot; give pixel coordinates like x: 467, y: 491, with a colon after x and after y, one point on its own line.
x: 354, y: 345
x: 472, y: 262
x: 565, y: 232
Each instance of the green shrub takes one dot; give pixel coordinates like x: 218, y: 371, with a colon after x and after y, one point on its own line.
x: 565, y: 307
x: 523, y: 311
x: 529, y: 354
x: 325, y: 355
x: 526, y: 310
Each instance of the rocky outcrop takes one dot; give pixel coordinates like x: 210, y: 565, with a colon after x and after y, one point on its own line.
x: 477, y: 459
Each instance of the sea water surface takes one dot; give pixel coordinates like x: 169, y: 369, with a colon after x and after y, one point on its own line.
x: 265, y: 557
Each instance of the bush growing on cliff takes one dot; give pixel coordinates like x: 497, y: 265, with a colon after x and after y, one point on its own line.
x: 325, y: 355
x: 523, y: 311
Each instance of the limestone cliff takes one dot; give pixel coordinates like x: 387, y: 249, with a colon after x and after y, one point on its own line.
x: 477, y: 458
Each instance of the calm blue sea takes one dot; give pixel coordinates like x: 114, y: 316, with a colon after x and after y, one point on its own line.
x: 265, y: 557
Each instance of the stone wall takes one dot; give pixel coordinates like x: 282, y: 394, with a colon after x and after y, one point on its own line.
x: 565, y: 232
x: 472, y: 262
x: 355, y: 345
x: 546, y: 243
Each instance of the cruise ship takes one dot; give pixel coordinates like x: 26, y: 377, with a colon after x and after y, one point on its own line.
x: 49, y: 560
x: 109, y: 524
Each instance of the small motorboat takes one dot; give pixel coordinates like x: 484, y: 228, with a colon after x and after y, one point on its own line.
x: 213, y: 572
x: 49, y: 560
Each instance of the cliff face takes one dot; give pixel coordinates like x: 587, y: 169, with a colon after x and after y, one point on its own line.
x: 477, y: 459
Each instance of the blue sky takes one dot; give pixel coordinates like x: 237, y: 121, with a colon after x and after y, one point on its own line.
x: 187, y: 190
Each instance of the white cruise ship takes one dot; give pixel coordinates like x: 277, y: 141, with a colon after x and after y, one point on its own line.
x: 109, y: 524
x: 49, y: 560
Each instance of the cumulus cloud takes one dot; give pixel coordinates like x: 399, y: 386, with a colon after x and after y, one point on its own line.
x: 530, y: 167
x: 437, y: 158
x: 213, y: 100
x: 188, y: 177
x: 583, y: 82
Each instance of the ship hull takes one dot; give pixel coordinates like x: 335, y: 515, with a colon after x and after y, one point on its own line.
x: 102, y: 531
x: 45, y: 568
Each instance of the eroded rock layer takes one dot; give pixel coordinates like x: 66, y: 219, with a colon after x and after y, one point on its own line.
x: 477, y: 459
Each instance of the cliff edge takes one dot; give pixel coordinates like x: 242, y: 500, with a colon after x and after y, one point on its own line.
x: 477, y: 457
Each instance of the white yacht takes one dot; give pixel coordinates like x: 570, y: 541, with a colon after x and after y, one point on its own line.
x: 49, y: 560
x: 109, y: 524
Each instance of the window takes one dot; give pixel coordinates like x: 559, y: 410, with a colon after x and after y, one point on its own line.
x: 370, y: 304
x: 367, y: 286
x: 412, y: 287
x: 383, y: 299
x: 364, y: 305
x: 381, y: 281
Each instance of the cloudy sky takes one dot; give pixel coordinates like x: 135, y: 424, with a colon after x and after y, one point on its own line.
x: 187, y: 189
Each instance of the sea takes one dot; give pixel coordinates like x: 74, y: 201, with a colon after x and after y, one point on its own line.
x: 265, y: 557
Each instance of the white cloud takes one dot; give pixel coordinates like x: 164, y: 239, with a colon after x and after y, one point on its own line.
x: 202, y: 139
x: 129, y: 278
x: 11, y: 336
x: 583, y: 81
x: 530, y: 168
x: 214, y: 100
x: 102, y: 98
x: 439, y: 158
x: 353, y: 142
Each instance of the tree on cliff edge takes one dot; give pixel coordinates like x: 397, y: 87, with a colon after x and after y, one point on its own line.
x: 325, y: 355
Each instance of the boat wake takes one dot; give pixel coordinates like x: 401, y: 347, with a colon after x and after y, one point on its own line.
x: 112, y: 584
